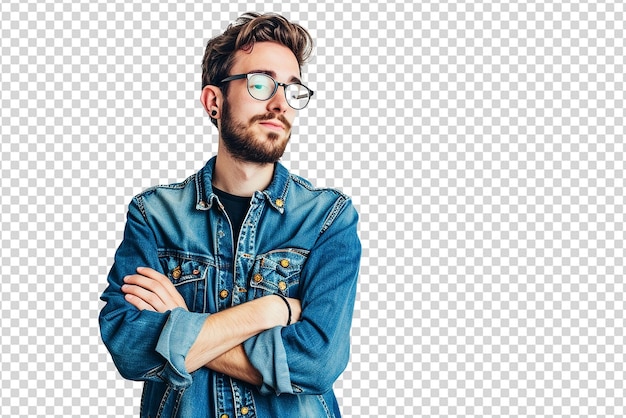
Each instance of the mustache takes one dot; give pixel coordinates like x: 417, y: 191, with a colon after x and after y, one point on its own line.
x: 270, y: 116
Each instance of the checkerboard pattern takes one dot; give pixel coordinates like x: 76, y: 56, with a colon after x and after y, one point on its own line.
x: 483, y: 145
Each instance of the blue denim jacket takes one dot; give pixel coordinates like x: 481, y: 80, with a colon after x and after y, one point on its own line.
x: 295, y: 240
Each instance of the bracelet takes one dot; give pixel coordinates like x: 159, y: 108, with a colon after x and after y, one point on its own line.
x: 288, y: 307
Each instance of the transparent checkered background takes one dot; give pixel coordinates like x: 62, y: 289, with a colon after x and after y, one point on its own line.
x: 483, y: 145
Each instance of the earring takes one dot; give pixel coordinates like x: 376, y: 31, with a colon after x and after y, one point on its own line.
x: 214, y: 113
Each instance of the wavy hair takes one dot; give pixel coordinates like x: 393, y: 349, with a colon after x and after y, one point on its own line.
x: 243, y: 33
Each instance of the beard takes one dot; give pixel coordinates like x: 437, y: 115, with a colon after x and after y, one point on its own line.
x: 243, y: 145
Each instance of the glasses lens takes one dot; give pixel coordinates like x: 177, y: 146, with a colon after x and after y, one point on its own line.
x: 261, y: 86
x: 297, y: 96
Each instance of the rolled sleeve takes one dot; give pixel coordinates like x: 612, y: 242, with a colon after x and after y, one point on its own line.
x: 267, y: 352
x: 177, y: 337
x: 144, y: 345
x: 307, y: 357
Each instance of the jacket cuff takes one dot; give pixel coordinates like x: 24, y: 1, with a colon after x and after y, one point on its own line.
x: 177, y: 337
x: 267, y: 354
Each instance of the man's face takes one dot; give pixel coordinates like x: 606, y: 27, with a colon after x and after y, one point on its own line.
x: 253, y: 130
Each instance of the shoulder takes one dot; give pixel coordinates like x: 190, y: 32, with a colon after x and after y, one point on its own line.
x: 303, y: 188
x: 162, y: 196
x: 168, y: 188
x: 331, y: 201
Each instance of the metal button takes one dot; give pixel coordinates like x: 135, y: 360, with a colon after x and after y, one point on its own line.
x: 202, y: 204
x: 282, y: 286
x: 177, y: 272
x: 279, y: 203
x: 224, y: 294
x: 224, y: 416
x: 196, y: 271
x: 257, y: 278
x: 284, y: 262
x: 244, y: 410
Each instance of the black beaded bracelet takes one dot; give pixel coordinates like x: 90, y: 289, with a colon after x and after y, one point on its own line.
x: 288, y: 307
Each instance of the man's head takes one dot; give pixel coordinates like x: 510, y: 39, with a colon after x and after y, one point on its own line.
x: 235, y: 84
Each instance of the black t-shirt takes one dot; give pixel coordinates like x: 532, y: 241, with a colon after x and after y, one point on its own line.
x: 236, y: 208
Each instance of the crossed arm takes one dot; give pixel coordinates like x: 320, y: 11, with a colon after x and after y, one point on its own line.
x: 218, y: 345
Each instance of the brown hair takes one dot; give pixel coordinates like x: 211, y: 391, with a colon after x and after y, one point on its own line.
x: 243, y: 33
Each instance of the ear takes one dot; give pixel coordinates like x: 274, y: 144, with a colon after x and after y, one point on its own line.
x: 212, y: 99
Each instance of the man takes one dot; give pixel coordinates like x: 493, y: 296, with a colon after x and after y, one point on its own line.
x: 232, y: 293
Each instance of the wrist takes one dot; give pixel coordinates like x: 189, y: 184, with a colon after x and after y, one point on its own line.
x: 288, y: 306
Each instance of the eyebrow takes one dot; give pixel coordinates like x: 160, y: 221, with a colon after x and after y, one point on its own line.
x: 292, y: 79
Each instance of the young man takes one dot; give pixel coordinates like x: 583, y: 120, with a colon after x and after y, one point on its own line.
x: 232, y: 292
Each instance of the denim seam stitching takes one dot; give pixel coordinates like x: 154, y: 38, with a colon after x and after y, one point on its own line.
x: 166, y: 395
x: 186, y: 256
x: 337, y: 207
x: 324, y: 405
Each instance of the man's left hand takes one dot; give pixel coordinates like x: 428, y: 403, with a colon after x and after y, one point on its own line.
x: 149, y: 289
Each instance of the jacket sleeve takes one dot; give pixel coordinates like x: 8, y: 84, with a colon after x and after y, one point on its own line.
x: 308, y: 356
x: 144, y: 345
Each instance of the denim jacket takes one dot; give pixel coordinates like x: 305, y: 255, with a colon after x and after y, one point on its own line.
x: 295, y: 240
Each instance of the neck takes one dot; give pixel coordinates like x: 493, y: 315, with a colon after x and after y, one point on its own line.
x: 240, y: 178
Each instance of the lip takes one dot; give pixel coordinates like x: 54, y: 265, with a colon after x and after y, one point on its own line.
x: 272, y: 125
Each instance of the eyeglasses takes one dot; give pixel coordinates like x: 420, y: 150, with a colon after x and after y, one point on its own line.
x: 263, y: 87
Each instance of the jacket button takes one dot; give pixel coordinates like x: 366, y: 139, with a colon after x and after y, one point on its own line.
x: 279, y: 203
x: 257, y: 278
x: 196, y: 271
x: 177, y: 272
x: 224, y: 416
x: 282, y: 286
x: 284, y: 262
x: 244, y: 410
x: 224, y: 294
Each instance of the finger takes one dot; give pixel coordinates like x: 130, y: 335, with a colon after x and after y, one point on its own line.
x: 165, y: 282
x: 159, y: 279
x: 146, y: 296
x: 155, y: 286
x: 162, y: 295
x: 153, y: 274
x: 138, y: 303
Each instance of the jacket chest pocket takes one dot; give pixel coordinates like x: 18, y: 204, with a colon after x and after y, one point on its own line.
x: 189, y: 275
x: 278, y: 272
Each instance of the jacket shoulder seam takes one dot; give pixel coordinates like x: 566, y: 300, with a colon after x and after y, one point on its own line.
x: 334, y: 213
x: 309, y: 186
x: 140, y: 197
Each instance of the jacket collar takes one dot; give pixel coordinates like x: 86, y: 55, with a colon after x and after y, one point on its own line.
x: 275, y: 193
